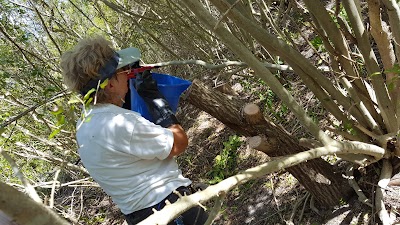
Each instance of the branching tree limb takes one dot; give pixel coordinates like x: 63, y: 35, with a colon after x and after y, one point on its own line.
x: 171, y: 211
x: 32, y: 108
x: 237, y: 47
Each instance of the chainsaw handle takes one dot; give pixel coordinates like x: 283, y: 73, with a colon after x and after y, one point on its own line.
x: 134, y: 72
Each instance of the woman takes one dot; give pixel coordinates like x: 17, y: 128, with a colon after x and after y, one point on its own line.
x: 131, y: 158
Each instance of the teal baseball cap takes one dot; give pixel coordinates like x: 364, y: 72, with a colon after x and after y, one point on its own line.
x: 128, y: 56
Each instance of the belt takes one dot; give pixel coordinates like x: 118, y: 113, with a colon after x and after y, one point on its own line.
x: 142, y: 214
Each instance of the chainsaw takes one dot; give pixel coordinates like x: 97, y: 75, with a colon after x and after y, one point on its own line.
x: 135, y: 71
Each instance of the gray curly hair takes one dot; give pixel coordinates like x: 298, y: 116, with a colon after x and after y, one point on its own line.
x: 82, y: 63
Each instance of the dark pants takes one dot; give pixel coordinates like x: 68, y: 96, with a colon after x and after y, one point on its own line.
x: 194, y: 216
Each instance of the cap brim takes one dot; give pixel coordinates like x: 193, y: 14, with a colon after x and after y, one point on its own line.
x: 128, y: 56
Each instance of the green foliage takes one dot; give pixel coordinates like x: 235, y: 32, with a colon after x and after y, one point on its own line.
x: 317, y: 43
x: 226, y: 162
x: 266, y: 96
x: 6, y: 171
x: 60, y: 113
x: 99, y: 218
x: 269, y: 184
x: 272, y: 102
x: 392, y: 82
x: 342, y: 202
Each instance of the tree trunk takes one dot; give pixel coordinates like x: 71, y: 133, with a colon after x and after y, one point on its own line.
x: 317, y: 176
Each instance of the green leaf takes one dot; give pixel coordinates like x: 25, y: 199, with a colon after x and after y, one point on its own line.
x: 88, y: 94
x: 61, y: 120
x: 347, y: 126
x: 375, y: 74
x: 57, y: 111
x: 104, y: 84
x: 54, y: 133
x: 218, y: 159
x: 395, y: 69
x: 87, y: 103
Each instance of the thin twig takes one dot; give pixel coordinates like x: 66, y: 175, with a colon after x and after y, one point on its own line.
x: 312, y: 206
x: 225, y: 13
x: 276, y: 201
x: 361, y: 196
x: 296, y: 205
x: 53, y: 188
x: 81, y: 208
x: 28, y: 187
x: 304, y: 206
x: 217, y: 207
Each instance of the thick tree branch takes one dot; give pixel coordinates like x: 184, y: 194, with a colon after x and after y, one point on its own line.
x: 381, y: 34
x: 354, y: 13
x: 393, y: 11
x: 273, y: 140
x: 25, y: 211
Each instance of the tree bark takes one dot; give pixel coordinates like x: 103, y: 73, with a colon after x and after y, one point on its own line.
x: 317, y: 175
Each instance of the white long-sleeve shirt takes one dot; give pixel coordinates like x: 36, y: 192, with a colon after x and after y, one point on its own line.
x: 128, y: 157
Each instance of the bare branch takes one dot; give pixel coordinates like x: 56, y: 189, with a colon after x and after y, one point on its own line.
x: 217, y: 207
x: 384, y: 179
x: 23, y: 210
x: 169, y: 212
x: 45, y: 28
x: 32, y: 108
x: 53, y: 189
x: 361, y: 196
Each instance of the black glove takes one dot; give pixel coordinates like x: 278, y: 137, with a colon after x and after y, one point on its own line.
x: 158, y: 107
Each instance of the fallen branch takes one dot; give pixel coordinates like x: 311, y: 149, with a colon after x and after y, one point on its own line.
x: 170, y: 211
